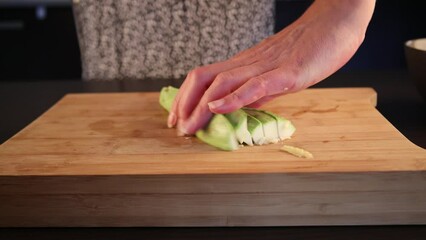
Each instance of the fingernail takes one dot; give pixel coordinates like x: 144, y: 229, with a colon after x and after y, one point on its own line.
x: 216, y: 104
x: 171, y: 120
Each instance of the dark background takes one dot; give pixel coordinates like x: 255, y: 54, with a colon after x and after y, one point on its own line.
x: 34, y: 47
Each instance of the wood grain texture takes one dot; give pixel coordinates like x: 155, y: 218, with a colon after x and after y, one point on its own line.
x: 110, y: 160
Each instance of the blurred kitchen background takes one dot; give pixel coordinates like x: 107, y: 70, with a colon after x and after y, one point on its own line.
x: 38, y: 38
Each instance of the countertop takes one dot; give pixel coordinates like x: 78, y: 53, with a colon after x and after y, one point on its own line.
x: 398, y: 101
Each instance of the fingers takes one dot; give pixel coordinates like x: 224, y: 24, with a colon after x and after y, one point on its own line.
x: 224, y: 84
x: 270, y: 83
x: 199, y: 80
x: 193, y: 88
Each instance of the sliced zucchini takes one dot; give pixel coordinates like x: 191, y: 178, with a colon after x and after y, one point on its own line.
x: 244, y: 126
x: 219, y: 133
x: 167, y: 96
x: 238, y: 120
x: 284, y: 126
x: 255, y: 128
x: 269, y: 124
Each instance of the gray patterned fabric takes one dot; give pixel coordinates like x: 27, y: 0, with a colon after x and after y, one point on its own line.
x: 139, y: 39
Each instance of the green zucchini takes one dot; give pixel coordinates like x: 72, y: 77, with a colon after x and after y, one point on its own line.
x: 244, y: 126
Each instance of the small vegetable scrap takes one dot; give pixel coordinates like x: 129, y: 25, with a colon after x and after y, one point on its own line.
x: 245, y: 126
x: 298, y: 152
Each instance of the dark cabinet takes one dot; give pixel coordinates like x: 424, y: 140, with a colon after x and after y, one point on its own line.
x: 38, y: 42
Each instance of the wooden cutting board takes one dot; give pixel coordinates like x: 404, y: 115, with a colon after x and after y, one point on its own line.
x: 109, y: 160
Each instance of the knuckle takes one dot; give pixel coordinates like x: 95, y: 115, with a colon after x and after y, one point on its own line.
x: 221, y: 84
x: 224, y: 77
x: 195, y: 74
x: 236, y: 99
x: 289, y: 80
x: 200, y: 76
x: 260, y: 82
x: 259, y: 87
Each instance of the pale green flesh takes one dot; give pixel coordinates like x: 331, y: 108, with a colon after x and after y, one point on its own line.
x: 244, y: 126
x: 298, y: 152
x: 285, y: 127
x: 269, y: 124
x: 167, y: 96
x: 238, y: 119
x: 255, y: 128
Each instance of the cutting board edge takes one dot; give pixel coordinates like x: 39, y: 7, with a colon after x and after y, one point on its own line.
x: 354, y: 199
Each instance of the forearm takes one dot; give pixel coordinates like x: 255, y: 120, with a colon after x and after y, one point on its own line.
x: 329, y: 32
x: 352, y: 14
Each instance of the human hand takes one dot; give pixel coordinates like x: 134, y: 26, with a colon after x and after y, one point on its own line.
x: 316, y: 45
